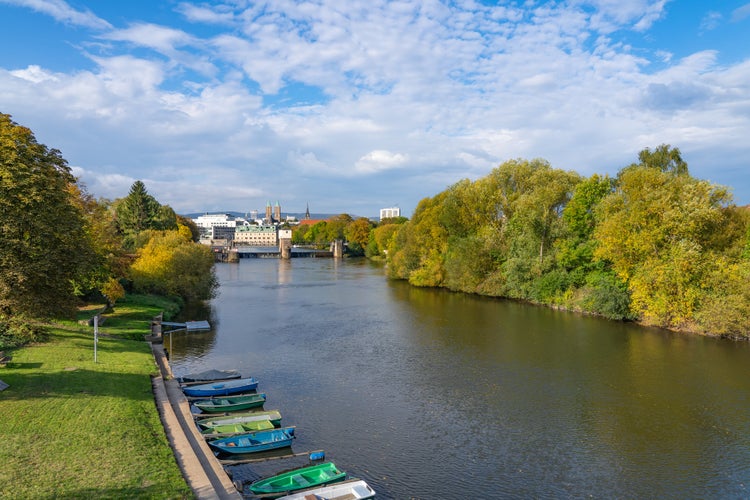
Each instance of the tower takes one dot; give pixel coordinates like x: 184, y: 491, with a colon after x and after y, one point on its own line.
x: 307, y: 212
x: 268, y: 213
x: 277, y: 212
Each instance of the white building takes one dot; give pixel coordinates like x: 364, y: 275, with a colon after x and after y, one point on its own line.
x: 218, y: 226
x: 256, y: 236
x: 387, y: 213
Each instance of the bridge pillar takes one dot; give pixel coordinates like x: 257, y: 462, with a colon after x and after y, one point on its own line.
x: 285, y: 247
x: 338, y: 249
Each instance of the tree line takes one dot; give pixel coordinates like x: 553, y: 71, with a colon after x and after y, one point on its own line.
x: 59, y: 246
x: 652, y: 244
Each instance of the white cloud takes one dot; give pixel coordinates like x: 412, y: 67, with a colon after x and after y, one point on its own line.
x: 741, y: 13
x: 34, y: 74
x: 710, y: 21
x: 199, y: 14
x: 62, y: 12
x: 379, y: 160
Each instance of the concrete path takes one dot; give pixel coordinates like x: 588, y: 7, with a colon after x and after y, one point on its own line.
x: 202, y: 470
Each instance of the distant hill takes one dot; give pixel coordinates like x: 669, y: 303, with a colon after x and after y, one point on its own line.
x: 232, y: 213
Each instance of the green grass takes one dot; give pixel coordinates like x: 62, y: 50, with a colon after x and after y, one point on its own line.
x: 73, y: 428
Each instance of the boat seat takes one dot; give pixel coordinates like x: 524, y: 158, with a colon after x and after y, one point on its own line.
x: 302, y: 481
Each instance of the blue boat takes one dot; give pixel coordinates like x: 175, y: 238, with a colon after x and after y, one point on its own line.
x: 222, y: 388
x: 255, y: 441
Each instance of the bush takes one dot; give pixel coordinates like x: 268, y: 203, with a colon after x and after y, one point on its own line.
x: 16, y: 332
x: 607, y: 295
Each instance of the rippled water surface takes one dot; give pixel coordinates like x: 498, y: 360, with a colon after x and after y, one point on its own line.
x: 434, y: 395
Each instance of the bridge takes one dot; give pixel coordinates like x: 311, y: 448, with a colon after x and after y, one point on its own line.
x: 285, y: 250
x: 275, y: 252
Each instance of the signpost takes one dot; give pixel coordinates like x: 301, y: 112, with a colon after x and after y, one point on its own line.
x: 96, y: 334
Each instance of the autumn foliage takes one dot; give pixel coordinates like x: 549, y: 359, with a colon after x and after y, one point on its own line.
x: 654, y: 244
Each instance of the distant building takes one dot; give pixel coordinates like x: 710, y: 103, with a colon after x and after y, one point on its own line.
x: 256, y: 236
x: 387, y: 213
x: 217, y: 227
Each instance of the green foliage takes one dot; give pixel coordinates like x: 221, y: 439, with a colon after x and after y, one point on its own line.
x: 169, y: 264
x: 357, y: 233
x: 665, y: 159
x: 606, y: 295
x: 660, y: 230
x: 191, y: 226
x: 15, y: 332
x: 380, y: 237
x: 138, y: 212
x: 725, y: 308
x: 44, y: 244
x: 470, y: 259
x: 113, y: 291
x: 417, y: 251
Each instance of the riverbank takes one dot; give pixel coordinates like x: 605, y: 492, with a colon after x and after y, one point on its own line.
x: 78, y: 428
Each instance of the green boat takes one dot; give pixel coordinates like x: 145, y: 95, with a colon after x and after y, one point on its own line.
x: 298, y: 479
x: 231, y: 403
x: 274, y: 416
x: 230, y: 429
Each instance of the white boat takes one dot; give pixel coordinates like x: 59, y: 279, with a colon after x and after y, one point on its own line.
x: 355, y: 489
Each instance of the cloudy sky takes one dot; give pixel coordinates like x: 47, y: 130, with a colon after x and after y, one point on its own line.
x: 352, y: 106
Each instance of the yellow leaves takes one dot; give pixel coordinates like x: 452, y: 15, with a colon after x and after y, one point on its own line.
x: 170, y: 264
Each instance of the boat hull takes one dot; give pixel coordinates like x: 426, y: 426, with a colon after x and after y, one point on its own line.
x: 298, y: 479
x: 274, y: 416
x: 227, y: 429
x: 355, y: 489
x: 224, y: 388
x: 255, y: 441
x: 220, y: 405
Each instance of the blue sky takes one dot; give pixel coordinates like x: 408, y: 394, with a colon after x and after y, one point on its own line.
x: 359, y: 105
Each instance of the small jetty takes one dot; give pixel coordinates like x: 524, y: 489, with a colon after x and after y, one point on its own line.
x: 188, y: 325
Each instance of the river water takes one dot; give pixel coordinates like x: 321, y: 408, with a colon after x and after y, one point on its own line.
x: 435, y: 395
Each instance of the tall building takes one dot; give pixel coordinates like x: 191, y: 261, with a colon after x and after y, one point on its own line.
x: 269, y: 215
x: 387, y: 213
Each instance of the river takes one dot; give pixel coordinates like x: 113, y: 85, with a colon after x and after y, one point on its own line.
x: 429, y: 394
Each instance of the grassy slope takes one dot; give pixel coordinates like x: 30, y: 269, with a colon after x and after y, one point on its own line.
x: 73, y: 428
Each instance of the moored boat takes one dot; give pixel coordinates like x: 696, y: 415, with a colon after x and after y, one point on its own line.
x: 298, y: 479
x: 355, y: 489
x: 216, y: 405
x: 255, y: 441
x: 209, y: 376
x: 222, y: 388
x: 274, y: 416
x: 243, y: 428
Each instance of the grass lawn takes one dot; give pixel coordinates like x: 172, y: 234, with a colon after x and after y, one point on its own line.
x: 73, y: 428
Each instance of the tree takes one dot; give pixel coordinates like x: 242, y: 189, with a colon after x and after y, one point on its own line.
x: 137, y: 211
x: 664, y: 159
x: 44, y: 244
x: 358, y: 235
x: 659, y: 232
x: 173, y: 265
x: 140, y: 211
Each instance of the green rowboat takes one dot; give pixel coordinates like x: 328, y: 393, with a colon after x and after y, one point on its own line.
x: 307, y: 477
x: 274, y: 416
x: 230, y: 429
x: 230, y: 403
